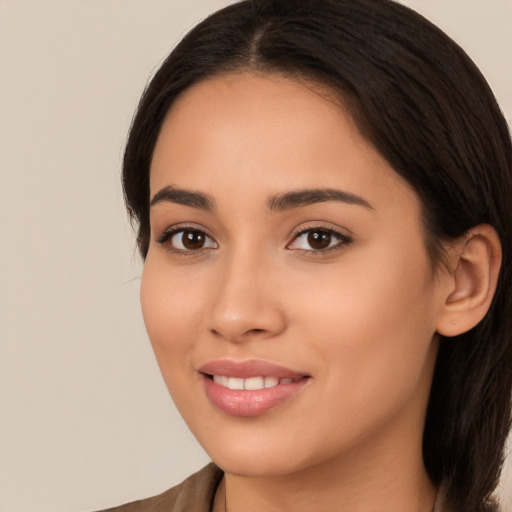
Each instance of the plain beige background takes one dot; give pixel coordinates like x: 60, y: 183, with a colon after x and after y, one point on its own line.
x: 85, y: 420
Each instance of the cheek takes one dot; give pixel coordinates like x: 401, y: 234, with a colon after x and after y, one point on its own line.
x: 370, y: 323
x: 172, y: 307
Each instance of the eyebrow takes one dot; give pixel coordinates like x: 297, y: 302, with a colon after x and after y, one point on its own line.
x: 276, y: 203
x: 298, y: 198
x: 184, y: 197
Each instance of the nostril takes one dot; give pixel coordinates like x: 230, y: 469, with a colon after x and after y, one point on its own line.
x: 243, y: 323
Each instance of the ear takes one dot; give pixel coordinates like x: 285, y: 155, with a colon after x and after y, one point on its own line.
x: 476, y: 260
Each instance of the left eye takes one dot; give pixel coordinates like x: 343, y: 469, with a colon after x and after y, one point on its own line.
x: 188, y: 240
x: 318, y: 240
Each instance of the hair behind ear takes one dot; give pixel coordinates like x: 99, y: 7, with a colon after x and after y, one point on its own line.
x: 463, y: 429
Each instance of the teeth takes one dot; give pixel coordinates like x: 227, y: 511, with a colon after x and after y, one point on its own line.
x: 251, y: 383
x: 235, y: 383
x: 270, y: 382
x: 254, y: 383
x: 221, y: 379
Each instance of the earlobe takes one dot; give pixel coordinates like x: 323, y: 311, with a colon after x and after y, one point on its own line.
x: 476, y: 263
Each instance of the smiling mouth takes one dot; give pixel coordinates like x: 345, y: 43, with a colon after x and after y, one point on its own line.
x: 253, y: 395
x: 250, y: 388
x: 251, y: 383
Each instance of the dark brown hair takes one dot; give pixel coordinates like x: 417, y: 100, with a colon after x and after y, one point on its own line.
x: 423, y: 104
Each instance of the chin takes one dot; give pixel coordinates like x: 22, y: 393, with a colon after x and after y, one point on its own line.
x: 256, y: 455
x: 263, y: 465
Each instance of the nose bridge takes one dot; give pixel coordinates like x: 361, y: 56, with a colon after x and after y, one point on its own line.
x: 245, y: 303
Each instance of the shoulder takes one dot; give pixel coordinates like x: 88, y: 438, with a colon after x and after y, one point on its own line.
x: 195, y: 493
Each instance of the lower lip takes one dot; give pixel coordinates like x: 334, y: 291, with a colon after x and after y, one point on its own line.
x: 241, y: 402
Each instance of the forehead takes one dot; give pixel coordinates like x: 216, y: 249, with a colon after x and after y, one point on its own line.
x: 247, y: 133
x: 244, y: 111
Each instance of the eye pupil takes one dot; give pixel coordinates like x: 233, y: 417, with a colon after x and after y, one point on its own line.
x: 193, y: 240
x: 319, y: 239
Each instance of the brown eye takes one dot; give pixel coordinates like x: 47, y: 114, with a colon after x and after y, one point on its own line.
x: 319, y: 239
x: 189, y: 240
x: 193, y: 240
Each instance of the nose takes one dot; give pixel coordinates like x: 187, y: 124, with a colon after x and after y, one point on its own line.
x: 245, y: 304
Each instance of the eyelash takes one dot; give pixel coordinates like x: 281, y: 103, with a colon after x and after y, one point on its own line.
x: 343, y: 240
x: 168, y: 235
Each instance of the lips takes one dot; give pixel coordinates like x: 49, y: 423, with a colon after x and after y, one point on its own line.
x: 249, y: 388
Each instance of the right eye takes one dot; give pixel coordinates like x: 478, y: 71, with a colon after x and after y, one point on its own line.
x: 187, y: 240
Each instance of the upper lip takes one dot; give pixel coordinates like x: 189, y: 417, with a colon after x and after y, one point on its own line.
x: 247, y: 369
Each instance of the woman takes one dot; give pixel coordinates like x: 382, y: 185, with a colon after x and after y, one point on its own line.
x: 322, y: 196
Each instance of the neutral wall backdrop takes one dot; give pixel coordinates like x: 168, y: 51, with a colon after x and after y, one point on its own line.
x: 85, y: 420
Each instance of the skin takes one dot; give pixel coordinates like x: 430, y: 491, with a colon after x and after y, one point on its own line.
x: 360, y: 319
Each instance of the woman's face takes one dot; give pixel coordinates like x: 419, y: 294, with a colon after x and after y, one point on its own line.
x: 285, y: 252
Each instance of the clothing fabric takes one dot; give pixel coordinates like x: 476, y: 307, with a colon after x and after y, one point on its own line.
x: 196, y: 494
